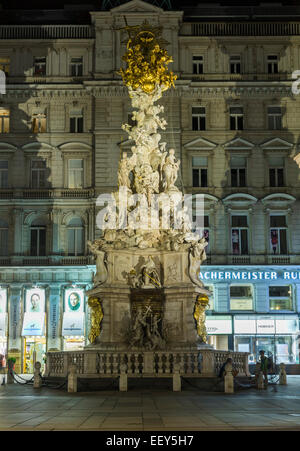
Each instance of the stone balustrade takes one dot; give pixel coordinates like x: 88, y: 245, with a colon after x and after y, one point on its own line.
x: 93, y: 363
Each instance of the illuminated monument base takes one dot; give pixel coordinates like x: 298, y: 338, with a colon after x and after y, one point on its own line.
x: 147, y: 303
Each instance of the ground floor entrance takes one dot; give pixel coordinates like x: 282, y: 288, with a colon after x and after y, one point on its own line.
x: 34, y: 351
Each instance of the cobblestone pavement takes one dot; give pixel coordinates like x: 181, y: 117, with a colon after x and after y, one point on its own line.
x: 24, y: 408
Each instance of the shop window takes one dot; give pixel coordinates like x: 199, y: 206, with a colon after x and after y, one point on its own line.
x: 239, y: 235
x: 75, y: 237
x: 76, y: 122
x: 4, y: 120
x: 76, y: 67
x: 3, y: 174
x: 235, y: 64
x: 4, y: 65
x: 39, y: 66
x: 238, y: 171
x: 3, y: 238
x: 75, y: 176
x: 272, y: 62
x: 274, y: 118
x: 199, y: 169
x: 276, y: 171
x: 38, y: 241
x: 236, y: 118
x: 198, y: 118
x: 280, y: 298
x: 241, y: 297
x: 278, y: 235
x: 38, y: 173
x: 197, y: 65
x: 39, y: 123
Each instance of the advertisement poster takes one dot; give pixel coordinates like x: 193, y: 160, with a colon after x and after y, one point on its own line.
x: 74, y: 300
x: 3, y: 300
x: 35, y: 300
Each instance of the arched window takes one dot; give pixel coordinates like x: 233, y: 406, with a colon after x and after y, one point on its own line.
x: 75, y: 236
x: 38, y: 238
x: 3, y: 238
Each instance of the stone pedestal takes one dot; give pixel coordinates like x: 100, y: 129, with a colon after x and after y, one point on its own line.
x: 175, y: 291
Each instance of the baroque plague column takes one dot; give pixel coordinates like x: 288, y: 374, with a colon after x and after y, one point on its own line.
x: 147, y: 293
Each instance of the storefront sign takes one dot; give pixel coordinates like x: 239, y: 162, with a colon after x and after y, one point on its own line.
x: 216, y: 325
x: 74, y: 300
x: 73, y: 324
x: 244, y: 325
x: 265, y: 326
x: 35, y: 300
x: 249, y: 275
x: 33, y: 324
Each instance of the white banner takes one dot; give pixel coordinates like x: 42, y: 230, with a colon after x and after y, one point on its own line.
x: 3, y: 300
x: 74, y: 300
x: 3, y: 322
x: 73, y: 324
x: 35, y: 300
x: 217, y: 325
x: 33, y: 324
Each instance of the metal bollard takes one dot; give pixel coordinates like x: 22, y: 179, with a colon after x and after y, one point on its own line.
x: 37, y: 380
x: 282, y: 375
x: 72, y: 379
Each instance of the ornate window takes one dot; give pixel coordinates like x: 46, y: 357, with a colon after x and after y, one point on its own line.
x: 239, y: 234
x: 39, y: 123
x: 198, y: 118
x: 39, y: 66
x: 278, y: 234
x: 276, y: 171
x: 280, y: 298
x: 272, y: 62
x: 76, y: 122
x: 38, y: 238
x: 238, y: 171
x: 274, y: 118
x: 236, y: 118
x: 38, y: 173
x: 76, y: 67
x: 75, y: 237
x: 3, y: 174
x: 199, y: 168
x: 235, y: 64
x: 75, y: 173
x: 198, y: 64
x: 3, y: 238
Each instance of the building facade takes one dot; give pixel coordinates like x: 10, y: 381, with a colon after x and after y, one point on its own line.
x: 234, y: 122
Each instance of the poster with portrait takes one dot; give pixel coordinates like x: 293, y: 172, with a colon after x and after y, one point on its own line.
x: 3, y: 300
x: 74, y: 300
x: 35, y: 300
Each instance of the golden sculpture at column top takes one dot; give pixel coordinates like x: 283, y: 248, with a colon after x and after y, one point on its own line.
x: 96, y: 317
x: 147, y: 61
x: 199, y: 316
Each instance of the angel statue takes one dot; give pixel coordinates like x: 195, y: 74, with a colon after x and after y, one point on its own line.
x: 170, y: 169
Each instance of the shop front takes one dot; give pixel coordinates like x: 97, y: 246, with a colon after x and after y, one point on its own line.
x: 276, y: 335
x: 219, y: 329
